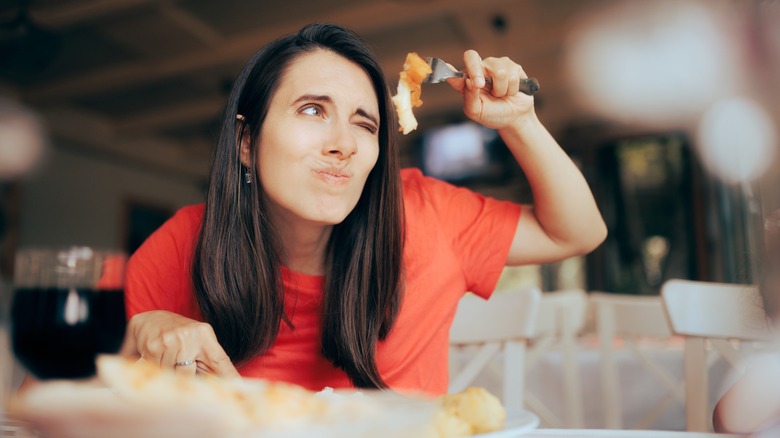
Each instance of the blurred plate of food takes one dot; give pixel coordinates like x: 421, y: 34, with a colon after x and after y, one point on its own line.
x: 131, y: 399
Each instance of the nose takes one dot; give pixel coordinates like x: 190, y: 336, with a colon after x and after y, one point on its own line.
x: 341, y: 142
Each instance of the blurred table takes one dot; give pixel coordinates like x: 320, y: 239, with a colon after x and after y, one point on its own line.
x: 640, y: 391
x: 597, y: 433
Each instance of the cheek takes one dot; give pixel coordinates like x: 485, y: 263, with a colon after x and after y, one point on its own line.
x: 276, y: 166
x: 281, y: 151
x: 371, y: 154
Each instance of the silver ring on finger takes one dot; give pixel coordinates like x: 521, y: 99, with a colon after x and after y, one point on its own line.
x: 184, y: 363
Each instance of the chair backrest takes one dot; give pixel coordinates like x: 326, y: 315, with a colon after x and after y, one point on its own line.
x: 560, y: 319
x: 630, y: 317
x: 508, y: 314
x: 501, y: 324
x: 715, y: 310
x: 561, y: 311
x: 711, y: 314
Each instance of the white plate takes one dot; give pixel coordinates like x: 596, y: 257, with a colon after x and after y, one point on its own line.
x: 517, y: 423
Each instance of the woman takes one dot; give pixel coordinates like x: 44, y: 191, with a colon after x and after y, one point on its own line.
x: 315, y: 260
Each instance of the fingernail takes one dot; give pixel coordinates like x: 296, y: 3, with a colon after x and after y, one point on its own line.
x: 479, y: 81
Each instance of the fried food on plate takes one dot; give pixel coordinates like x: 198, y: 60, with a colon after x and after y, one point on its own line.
x: 243, y: 403
x: 146, y: 400
x: 472, y: 411
x: 409, y: 90
x: 264, y: 408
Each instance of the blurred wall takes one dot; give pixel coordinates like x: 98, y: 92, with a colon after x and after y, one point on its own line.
x: 76, y: 198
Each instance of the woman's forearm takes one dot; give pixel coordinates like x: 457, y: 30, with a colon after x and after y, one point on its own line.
x: 563, y: 203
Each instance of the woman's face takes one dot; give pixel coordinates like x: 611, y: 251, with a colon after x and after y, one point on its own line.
x: 319, y: 140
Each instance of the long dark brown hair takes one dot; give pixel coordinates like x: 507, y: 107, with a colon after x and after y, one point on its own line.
x: 236, y: 271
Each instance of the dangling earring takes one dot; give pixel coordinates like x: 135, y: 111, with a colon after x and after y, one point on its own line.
x: 248, y: 177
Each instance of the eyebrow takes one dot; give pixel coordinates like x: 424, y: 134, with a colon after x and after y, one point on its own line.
x: 327, y: 99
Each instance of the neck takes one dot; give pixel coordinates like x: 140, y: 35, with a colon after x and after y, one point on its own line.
x: 304, y: 245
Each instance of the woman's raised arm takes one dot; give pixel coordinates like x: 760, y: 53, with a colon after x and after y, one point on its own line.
x: 564, y: 220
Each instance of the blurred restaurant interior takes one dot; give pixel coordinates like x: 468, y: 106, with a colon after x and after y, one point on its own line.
x: 670, y: 109
x: 130, y: 92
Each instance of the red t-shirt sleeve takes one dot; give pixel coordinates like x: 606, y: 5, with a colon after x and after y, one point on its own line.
x: 158, y: 273
x: 480, y: 229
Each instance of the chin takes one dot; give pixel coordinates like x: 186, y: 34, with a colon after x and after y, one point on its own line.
x: 331, y: 213
x: 333, y: 219
x: 328, y: 217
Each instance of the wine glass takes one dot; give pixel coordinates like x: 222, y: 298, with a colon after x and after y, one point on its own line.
x: 68, y: 307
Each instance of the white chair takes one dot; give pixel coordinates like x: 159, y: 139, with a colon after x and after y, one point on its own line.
x: 501, y: 324
x: 630, y: 317
x: 560, y: 320
x: 711, y: 314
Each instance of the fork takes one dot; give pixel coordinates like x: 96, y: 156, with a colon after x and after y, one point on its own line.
x: 442, y: 71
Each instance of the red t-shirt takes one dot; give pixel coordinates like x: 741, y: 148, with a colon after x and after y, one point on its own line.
x: 456, y: 241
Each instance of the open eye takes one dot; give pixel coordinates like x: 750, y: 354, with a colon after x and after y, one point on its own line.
x: 312, y: 110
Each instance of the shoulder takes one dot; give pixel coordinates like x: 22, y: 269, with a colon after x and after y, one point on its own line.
x: 416, y: 185
x: 158, y: 273
x: 426, y: 192
x: 411, y: 175
x: 185, y: 222
x: 175, y: 234
x: 416, y: 190
x: 413, y: 179
x: 189, y: 215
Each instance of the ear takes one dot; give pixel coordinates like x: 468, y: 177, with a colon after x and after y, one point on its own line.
x: 244, y: 144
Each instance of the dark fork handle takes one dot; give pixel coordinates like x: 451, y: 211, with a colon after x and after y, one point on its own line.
x: 528, y: 86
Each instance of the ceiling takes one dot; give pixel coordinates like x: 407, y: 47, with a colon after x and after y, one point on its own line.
x: 145, y: 80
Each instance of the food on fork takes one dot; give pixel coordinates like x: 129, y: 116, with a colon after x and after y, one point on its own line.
x: 415, y: 71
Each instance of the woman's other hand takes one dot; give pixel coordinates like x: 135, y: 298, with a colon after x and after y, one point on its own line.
x: 166, y: 338
x: 501, y: 105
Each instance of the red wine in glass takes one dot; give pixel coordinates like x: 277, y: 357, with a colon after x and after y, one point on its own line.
x: 67, y: 309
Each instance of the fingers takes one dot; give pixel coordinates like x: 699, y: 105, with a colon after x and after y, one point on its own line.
x: 474, y: 69
x: 491, y: 92
x: 513, y: 87
x: 185, y: 363
x: 506, y: 76
x: 500, y: 83
x: 186, y: 345
x: 499, y: 76
x: 216, y: 360
x: 201, y: 346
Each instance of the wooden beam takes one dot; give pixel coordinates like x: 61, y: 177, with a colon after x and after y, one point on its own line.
x: 207, y: 108
x: 554, y: 83
x: 187, y: 112
x: 190, y: 23
x: 91, y: 131
x: 367, y: 17
x: 72, y: 13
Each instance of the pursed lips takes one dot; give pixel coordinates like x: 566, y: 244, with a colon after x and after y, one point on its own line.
x: 333, y: 175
